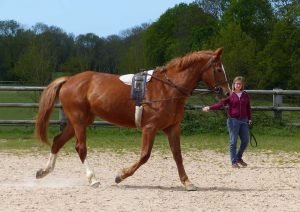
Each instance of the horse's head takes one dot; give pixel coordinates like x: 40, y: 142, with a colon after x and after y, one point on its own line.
x: 184, y: 73
x: 214, y: 76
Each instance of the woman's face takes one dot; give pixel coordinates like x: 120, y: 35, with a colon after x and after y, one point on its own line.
x: 238, y: 85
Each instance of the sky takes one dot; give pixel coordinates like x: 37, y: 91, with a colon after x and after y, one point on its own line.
x: 101, y: 17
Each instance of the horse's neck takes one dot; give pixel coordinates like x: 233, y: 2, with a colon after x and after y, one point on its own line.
x: 184, y: 80
x: 161, y: 89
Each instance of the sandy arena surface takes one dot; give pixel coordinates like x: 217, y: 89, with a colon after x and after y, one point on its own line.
x: 270, y: 183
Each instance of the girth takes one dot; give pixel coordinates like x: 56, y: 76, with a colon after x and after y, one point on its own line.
x: 138, y: 87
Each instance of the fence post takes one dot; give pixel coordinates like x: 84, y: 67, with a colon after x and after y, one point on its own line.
x: 277, y: 102
x: 62, y: 119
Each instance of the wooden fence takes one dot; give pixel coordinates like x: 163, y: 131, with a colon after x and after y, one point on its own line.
x: 277, y: 107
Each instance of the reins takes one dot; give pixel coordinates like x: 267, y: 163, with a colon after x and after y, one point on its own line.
x: 162, y: 100
x: 171, y: 83
x: 252, y: 137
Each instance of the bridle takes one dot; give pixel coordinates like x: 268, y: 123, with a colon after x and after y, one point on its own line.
x: 216, y: 88
x: 211, y: 63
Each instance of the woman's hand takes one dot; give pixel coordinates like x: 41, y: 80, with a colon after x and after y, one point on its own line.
x: 250, y: 122
x: 205, y: 109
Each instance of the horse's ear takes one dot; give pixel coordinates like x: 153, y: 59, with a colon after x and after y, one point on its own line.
x: 218, y: 52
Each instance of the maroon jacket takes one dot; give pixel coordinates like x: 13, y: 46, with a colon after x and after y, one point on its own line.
x: 238, y: 108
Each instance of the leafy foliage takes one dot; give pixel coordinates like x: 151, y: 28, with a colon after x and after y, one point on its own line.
x: 260, y: 38
x: 240, y: 48
x: 254, y: 17
x: 178, y: 31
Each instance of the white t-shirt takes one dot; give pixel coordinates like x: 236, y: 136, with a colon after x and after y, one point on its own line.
x: 239, y: 94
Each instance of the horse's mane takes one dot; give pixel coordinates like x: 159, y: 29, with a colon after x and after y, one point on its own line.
x: 184, y: 61
x: 188, y: 59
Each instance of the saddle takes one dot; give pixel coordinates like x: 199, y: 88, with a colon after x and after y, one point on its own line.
x: 138, y: 90
x: 138, y: 87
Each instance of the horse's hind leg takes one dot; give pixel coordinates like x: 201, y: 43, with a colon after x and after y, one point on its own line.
x: 80, y: 133
x: 149, y: 133
x: 173, y: 134
x: 58, y: 142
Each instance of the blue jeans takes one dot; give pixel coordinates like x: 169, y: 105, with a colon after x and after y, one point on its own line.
x: 237, y: 127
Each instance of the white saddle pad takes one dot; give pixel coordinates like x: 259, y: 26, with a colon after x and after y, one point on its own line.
x: 127, y: 78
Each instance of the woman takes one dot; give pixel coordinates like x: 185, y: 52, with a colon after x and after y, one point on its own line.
x: 239, y: 119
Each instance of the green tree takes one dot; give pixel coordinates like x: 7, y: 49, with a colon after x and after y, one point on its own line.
x: 287, y: 9
x: 239, y: 52
x: 179, y: 30
x: 214, y: 7
x: 9, y: 28
x: 133, y: 56
x: 34, y: 66
x: 279, y: 64
x: 13, y: 42
x: 85, y: 48
x: 255, y: 18
x: 55, y: 44
x: 47, y: 50
x: 261, y: 40
x: 111, y: 56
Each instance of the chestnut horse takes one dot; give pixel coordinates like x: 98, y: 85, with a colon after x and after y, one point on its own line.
x: 90, y: 94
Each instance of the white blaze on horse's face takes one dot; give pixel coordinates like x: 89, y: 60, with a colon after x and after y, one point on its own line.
x: 221, y: 86
x: 225, y: 74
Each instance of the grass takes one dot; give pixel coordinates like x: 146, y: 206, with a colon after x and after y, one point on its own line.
x: 199, y: 130
x: 18, y: 113
x: 123, y: 140
x: 30, y: 96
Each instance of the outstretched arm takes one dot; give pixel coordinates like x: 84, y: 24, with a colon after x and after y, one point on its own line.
x: 217, y: 106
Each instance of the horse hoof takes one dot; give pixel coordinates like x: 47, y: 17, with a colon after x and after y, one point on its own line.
x: 118, y: 179
x: 95, y: 184
x: 40, y: 174
x: 191, y: 187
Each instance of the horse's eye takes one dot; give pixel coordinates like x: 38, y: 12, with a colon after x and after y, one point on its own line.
x: 219, y: 69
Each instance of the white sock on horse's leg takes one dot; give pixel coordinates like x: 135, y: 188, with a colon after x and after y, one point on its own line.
x: 49, y: 166
x: 51, y: 162
x: 90, y: 174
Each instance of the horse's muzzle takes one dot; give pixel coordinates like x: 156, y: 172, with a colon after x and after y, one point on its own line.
x: 227, y: 94
x: 220, y: 93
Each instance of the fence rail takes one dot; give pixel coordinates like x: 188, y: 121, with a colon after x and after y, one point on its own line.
x: 277, y: 107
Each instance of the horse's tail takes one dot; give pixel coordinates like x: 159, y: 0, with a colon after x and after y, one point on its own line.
x: 47, y: 101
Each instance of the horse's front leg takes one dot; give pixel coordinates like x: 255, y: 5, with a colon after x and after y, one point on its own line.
x: 148, y: 135
x: 173, y: 134
x: 90, y: 174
